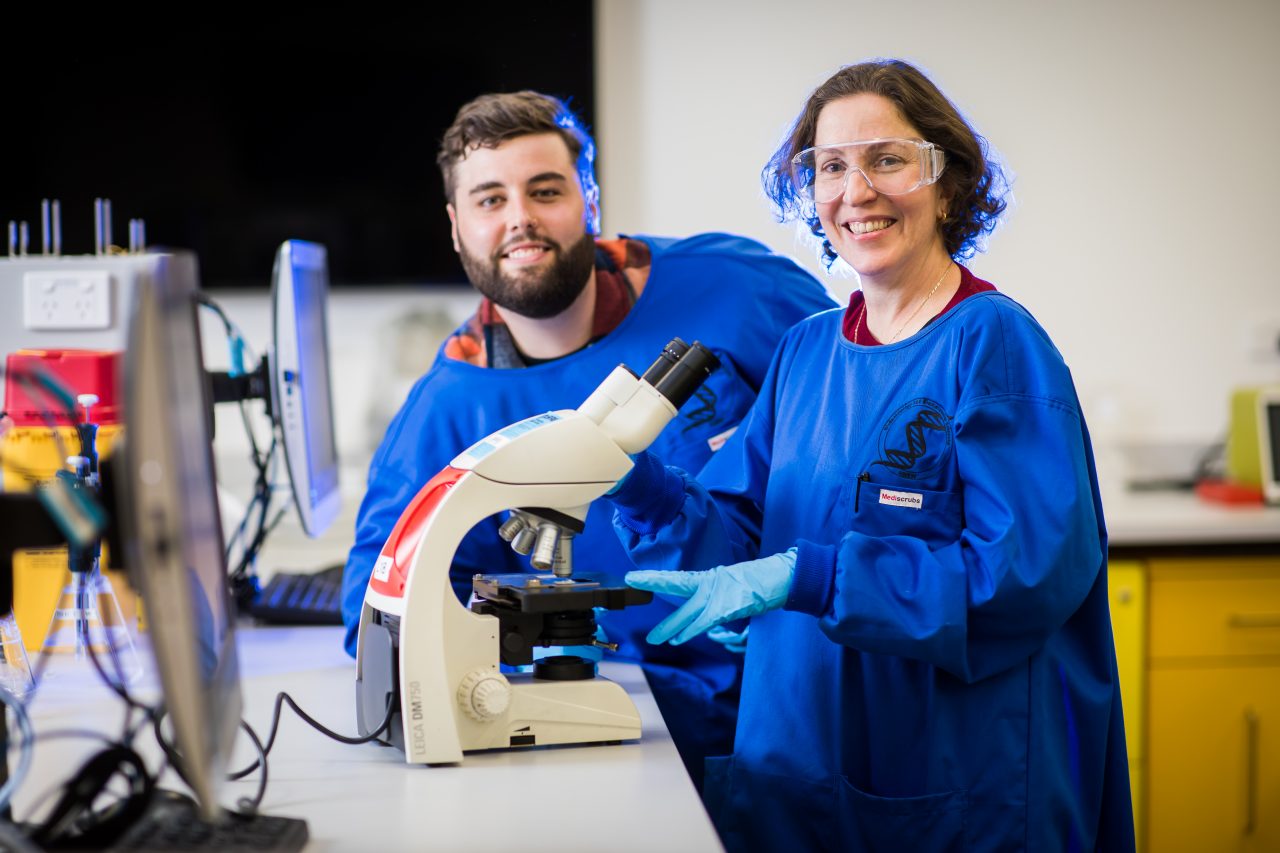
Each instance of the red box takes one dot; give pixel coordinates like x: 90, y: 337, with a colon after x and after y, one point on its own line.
x: 81, y: 371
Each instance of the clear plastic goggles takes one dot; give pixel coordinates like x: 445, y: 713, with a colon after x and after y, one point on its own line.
x: 890, y: 165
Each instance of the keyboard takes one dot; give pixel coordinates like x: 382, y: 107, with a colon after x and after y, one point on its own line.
x: 301, y: 598
x: 171, y: 823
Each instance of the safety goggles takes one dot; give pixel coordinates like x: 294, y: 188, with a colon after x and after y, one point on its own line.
x: 889, y: 165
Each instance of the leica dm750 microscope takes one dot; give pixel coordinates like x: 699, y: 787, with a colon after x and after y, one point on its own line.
x: 433, y: 663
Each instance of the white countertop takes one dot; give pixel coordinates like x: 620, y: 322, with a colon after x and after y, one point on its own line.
x: 1181, y: 518
x: 630, y: 796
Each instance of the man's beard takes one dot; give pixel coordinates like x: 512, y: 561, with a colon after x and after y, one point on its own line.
x: 536, y: 294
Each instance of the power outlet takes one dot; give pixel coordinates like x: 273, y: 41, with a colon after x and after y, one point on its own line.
x: 1262, y: 340
x: 73, y: 299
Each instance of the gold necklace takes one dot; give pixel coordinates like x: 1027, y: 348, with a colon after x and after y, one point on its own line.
x: 936, y: 285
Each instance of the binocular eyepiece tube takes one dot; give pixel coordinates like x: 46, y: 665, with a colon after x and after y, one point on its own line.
x: 680, y: 369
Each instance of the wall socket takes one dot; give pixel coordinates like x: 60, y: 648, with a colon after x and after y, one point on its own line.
x: 72, y: 299
x: 1262, y: 340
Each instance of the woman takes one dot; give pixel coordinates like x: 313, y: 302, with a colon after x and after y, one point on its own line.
x: 910, y: 514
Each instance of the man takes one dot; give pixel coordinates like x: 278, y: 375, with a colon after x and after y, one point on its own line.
x: 560, y: 310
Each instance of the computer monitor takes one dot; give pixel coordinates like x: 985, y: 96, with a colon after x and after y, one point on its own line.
x: 1269, y: 442
x: 171, y: 534
x: 301, y: 393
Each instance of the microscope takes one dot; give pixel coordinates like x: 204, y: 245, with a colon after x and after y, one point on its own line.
x: 431, y: 663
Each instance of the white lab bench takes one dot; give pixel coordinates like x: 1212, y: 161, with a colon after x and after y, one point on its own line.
x: 630, y: 796
x: 1173, y: 518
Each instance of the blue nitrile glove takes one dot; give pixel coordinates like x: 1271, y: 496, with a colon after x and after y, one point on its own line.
x: 719, y: 595
x: 734, y: 641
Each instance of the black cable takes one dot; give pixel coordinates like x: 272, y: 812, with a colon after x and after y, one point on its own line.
x: 250, y: 805
x: 73, y: 820
x: 233, y: 334
x: 116, y: 686
x: 207, y: 301
x: 1212, y: 462
x: 281, y: 699
x: 254, y: 547
x: 12, y: 839
x: 263, y: 489
x: 170, y: 752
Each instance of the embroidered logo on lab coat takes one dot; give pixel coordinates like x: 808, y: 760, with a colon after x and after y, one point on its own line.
x: 705, y: 410
x: 916, y: 440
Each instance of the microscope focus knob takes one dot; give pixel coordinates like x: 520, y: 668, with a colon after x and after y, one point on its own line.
x: 484, y: 694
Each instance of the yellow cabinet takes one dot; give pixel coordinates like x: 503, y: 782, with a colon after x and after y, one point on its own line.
x: 1126, y: 586
x: 1212, y: 722
x: 1214, y: 758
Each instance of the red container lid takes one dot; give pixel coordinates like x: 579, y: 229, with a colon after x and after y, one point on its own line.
x: 1228, y: 492
x: 81, y: 371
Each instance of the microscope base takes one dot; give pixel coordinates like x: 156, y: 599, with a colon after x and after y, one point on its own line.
x: 544, y: 713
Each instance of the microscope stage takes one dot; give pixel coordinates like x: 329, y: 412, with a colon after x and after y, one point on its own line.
x: 547, y: 593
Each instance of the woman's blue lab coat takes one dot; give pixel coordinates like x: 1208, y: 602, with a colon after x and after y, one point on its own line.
x: 942, y: 676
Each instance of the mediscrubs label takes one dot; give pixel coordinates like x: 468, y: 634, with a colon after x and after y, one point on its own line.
x: 911, y: 500
x: 717, y: 441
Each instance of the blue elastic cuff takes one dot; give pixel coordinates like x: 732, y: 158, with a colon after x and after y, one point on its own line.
x: 813, y: 579
x: 650, y: 497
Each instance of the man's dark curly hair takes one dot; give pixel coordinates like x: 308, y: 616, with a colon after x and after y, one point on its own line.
x: 973, y: 187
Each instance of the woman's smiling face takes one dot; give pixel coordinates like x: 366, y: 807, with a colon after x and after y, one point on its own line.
x: 886, y: 239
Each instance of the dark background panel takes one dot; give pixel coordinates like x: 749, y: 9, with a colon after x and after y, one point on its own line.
x: 234, y: 133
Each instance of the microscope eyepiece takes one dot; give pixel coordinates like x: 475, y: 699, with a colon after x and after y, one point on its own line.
x: 670, y: 356
x: 684, y: 377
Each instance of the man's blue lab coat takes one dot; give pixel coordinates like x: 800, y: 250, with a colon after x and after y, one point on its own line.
x: 730, y: 293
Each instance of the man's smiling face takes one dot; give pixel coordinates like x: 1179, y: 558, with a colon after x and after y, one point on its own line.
x: 520, y: 224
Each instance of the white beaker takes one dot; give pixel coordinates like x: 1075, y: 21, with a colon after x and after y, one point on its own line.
x: 88, y: 618
x: 15, y: 669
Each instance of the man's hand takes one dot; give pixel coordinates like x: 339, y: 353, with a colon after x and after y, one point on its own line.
x: 719, y: 595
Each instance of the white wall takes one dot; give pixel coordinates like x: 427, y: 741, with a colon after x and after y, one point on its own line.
x: 1142, y: 136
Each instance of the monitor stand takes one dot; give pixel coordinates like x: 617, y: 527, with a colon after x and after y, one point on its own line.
x: 172, y: 822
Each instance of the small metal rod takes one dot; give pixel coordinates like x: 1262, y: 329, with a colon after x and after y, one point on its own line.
x: 13, y: 237
x: 57, y: 227
x: 97, y: 226
x: 23, y: 238
x: 44, y: 226
x: 106, y: 225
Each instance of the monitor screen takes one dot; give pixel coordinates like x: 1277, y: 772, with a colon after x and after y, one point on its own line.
x: 302, y: 399
x: 170, y: 526
x: 1269, y: 401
